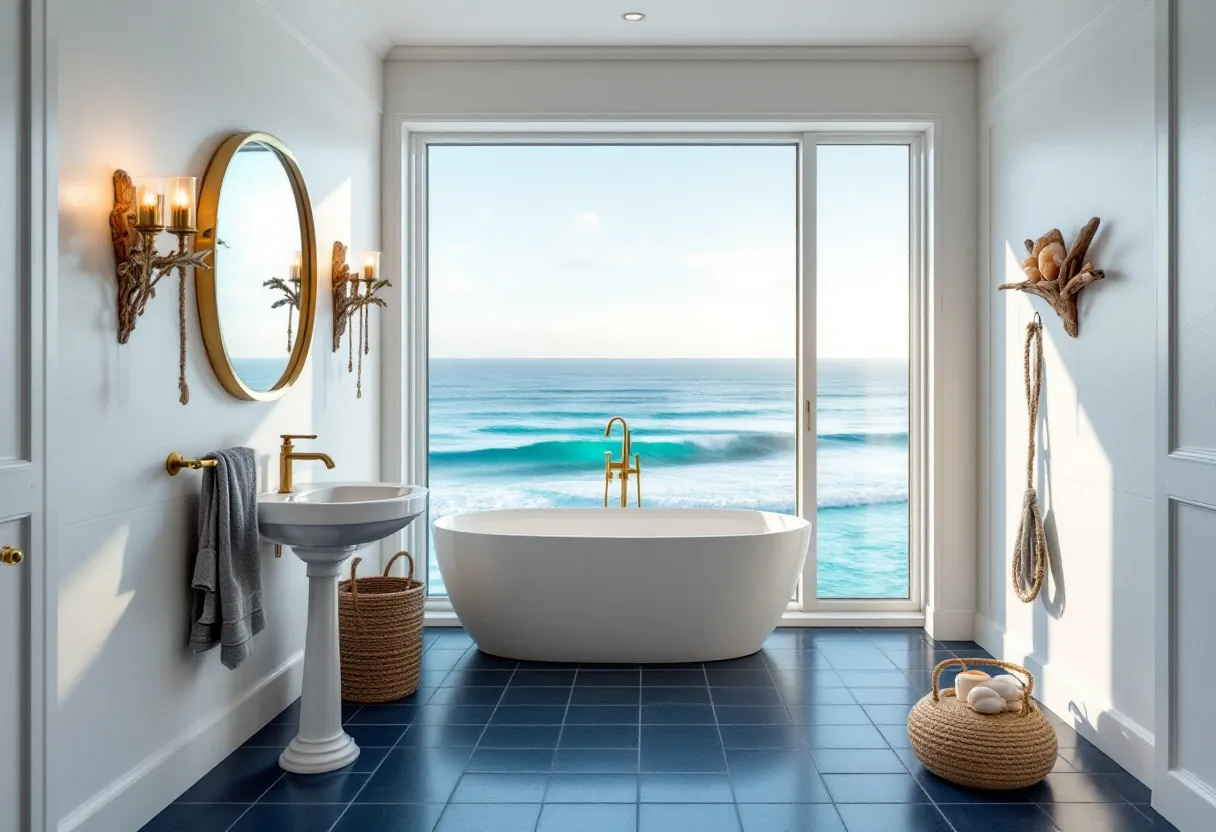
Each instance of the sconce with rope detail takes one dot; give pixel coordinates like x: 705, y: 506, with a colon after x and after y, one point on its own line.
x: 349, y: 302
x: 135, y: 222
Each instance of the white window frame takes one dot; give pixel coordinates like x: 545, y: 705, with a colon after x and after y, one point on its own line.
x: 406, y: 407
x: 806, y: 600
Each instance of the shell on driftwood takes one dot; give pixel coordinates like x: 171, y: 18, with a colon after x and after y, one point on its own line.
x: 1057, y: 274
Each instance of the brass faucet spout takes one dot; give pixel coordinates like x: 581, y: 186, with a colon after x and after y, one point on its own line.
x: 625, y: 440
x: 316, y: 457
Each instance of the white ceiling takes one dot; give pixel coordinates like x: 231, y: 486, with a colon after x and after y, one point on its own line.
x: 677, y: 22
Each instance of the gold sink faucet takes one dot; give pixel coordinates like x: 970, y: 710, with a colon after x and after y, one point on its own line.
x: 288, y: 457
x: 622, y: 468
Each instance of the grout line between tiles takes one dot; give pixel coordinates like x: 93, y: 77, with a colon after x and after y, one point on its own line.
x: 376, y: 769
x: 561, y: 732
x: 722, y: 742
x: 789, y: 713
x: 232, y: 825
x: 637, y: 787
x: 477, y: 745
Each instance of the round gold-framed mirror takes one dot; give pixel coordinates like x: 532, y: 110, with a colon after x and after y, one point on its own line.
x: 257, y: 303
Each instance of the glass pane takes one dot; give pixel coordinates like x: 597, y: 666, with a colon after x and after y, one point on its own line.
x: 862, y: 274
x: 571, y: 284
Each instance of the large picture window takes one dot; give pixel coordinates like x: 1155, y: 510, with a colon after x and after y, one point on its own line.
x: 672, y: 283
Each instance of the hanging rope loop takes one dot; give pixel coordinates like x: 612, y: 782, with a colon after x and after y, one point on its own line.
x: 1030, y: 556
x: 1034, y: 339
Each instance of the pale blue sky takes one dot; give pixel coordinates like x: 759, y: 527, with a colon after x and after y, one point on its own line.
x: 661, y: 251
x: 260, y: 227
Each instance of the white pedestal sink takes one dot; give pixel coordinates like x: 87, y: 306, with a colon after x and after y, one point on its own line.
x: 324, y: 524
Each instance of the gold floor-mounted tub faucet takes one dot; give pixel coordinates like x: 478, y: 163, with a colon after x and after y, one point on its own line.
x: 622, y: 468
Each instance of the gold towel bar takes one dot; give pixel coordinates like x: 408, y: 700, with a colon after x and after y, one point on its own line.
x: 176, y: 463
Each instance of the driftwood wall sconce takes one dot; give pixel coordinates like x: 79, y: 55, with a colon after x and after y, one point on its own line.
x: 1058, y: 275
x: 354, y: 295
x: 290, y: 289
x: 137, y: 219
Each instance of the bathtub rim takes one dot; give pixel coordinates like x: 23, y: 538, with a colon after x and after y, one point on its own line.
x: 800, y: 524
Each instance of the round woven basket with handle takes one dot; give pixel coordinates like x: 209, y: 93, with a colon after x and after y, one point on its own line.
x: 1010, y: 750
x: 380, y: 634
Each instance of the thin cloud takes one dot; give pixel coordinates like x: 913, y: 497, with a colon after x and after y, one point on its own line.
x: 587, y: 222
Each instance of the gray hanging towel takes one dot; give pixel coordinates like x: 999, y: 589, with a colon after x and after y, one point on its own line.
x: 227, y: 583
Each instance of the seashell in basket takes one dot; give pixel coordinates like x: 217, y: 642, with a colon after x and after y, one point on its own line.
x: 985, y: 701
x: 1007, y: 686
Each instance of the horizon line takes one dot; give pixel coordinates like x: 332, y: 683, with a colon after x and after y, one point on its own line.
x: 651, y: 358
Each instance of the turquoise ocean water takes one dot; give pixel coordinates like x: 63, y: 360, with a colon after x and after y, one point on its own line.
x: 518, y: 433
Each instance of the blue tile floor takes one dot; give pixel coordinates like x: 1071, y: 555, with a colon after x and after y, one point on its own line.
x: 807, y: 734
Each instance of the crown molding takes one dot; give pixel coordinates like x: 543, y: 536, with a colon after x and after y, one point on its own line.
x: 681, y: 53
x: 357, y: 18
x: 321, y: 55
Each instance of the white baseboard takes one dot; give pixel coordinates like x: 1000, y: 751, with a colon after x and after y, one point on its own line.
x: 1120, y: 737
x: 795, y: 618
x: 447, y: 618
x: 441, y: 618
x: 949, y: 625
x: 141, y: 793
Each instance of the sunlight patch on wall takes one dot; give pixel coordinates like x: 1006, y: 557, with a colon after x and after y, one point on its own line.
x: 332, y: 215
x: 1075, y: 482
x: 91, y: 605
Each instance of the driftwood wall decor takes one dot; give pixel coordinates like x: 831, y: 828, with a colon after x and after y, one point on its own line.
x: 139, y: 267
x: 350, y: 302
x: 343, y: 296
x: 290, y: 290
x: 1057, y: 274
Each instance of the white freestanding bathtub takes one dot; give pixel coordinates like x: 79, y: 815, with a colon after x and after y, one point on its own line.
x: 620, y: 585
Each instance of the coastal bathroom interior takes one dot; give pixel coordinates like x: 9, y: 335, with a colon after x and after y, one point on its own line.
x: 613, y: 416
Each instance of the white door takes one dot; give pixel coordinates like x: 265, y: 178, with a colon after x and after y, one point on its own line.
x: 1184, y: 787
x: 22, y: 559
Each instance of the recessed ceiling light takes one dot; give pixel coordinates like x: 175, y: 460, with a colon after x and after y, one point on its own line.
x: 633, y: 17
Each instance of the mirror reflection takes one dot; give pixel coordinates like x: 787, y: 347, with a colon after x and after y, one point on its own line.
x: 258, y: 265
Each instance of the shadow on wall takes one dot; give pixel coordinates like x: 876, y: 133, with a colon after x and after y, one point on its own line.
x: 1085, y: 538
x: 1054, y: 595
x: 116, y: 618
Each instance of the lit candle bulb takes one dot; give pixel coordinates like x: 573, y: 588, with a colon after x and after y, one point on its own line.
x: 371, y: 265
x: 181, y: 209
x: 150, y: 210
x: 297, y: 266
x: 180, y: 214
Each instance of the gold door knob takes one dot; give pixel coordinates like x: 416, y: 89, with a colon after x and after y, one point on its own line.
x: 11, y: 556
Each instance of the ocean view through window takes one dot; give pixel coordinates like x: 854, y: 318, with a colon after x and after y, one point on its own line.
x: 862, y: 281
x: 568, y: 284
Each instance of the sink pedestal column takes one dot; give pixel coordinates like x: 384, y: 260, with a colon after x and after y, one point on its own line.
x: 321, y: 745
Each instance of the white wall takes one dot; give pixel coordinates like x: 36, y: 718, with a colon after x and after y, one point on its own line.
x: 153, y: 87
x: 1067, y: 132
x: 643, y: 87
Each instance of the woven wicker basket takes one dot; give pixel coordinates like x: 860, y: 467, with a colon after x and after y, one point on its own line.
x: 380, y: 634
x: 997, y: 751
